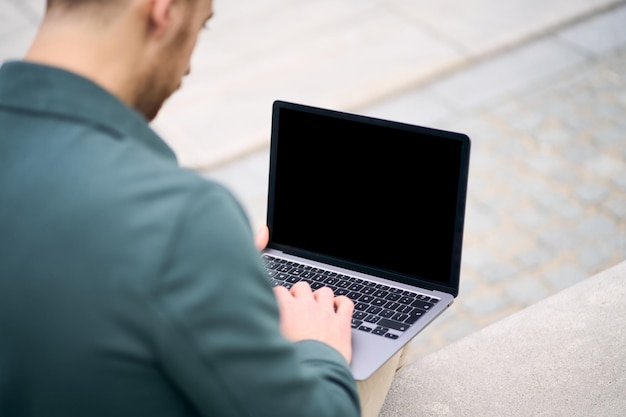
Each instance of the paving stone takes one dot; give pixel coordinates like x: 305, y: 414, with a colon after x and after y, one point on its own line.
x: 421, y: 108
x: 552, y: 137
x: 557, y: 203
x: 557, y: 240
x: 477, y: 256
x: 597, y: 254
x: 616, y: 204
x: 526, y: 290
x: 528, y: 121
x: 600, y: 34
x: 592, y: 192
x: 565, y: 276
x: 606, y: 165
x: 535, y: 257
x: 580, y: 153
x: 480, y: 222
x: 484, y: 24
x: 530, y: 219
x: 610, y: 136
x: 598, y: 226
x: 511, y: 72
x: 499, y: 271
x: 546, y: 163
x: 459, y: 329
x: 484, y: 303
x: 620, y: 180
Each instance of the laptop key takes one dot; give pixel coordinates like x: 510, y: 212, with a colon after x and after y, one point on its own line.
x: 318, y: 277
x: 424, y: 305
x: 404, y: 309
x: 316, y: 285
x: 414, y: 316
x: 391, y: 305
x: 374, y: 310
x: 400, y: 317
x: 361, y: 306
x: 378, y: 302
x: 368, y: 290
x: 356, y: 323
x: 393, y: 297
x: 372, y: 318
x: 353, y: 295
x: 405, y: 300
x: 380, y: 294
x: 366, y: 299
x: 343, y: 284
x: 380, y: 330
x: 359, y: 315
x: 392, y: 324
x: 341, y: 291
x: 331, y: 281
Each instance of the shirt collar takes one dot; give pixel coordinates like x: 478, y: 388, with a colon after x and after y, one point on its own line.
x: 44, y: 89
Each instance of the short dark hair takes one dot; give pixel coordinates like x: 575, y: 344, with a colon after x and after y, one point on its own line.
x: 76, y: 4
x: 72, y: 3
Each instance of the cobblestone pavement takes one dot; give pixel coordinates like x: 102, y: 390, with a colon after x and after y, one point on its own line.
x: 547, y: 193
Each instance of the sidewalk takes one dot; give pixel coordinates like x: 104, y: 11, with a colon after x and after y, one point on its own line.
x: 343, y: 54
x: 539, y: 86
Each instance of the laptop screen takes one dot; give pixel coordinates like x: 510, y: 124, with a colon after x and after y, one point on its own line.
x: 373, y: 195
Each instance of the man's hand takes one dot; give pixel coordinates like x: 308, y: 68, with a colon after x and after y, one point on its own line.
x: 262, y: 237
x: 308, y: 315
x: 319, y: 315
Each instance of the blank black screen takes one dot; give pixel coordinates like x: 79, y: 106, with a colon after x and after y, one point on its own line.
x: 372, y: 192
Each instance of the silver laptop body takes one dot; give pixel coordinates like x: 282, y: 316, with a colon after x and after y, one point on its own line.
x: 368, y: 205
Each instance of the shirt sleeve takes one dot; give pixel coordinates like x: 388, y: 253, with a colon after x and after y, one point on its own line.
x: 220, y: 342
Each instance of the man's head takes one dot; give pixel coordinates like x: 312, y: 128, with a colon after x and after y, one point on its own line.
x: 139, y: 50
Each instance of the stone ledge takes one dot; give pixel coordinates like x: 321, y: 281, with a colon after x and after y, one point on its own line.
x: 564, y: 356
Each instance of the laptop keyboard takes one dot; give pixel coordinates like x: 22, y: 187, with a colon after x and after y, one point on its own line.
x: 378, y: 309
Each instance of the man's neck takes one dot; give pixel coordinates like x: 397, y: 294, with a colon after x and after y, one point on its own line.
x: 105, y: 55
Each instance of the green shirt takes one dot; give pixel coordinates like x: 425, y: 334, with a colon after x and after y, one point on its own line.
x: 130, y: 286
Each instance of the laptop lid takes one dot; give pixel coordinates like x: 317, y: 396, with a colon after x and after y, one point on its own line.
x: 379, y: 197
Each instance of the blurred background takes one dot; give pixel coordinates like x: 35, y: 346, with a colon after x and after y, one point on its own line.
x: 538, y: 85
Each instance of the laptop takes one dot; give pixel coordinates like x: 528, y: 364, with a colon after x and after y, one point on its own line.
x: 372, y: 208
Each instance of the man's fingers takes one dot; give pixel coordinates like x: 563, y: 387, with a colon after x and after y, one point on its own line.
x: 280, y: 291
x: 301, y: 289
x: 325, y: 297
x: 262, y: 237
x: 344, y: 306
x: 324, y: 292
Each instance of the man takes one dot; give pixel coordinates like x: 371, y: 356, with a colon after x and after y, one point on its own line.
x: 129, y: 286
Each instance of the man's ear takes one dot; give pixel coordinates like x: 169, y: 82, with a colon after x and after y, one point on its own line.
x: 160, y: 15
